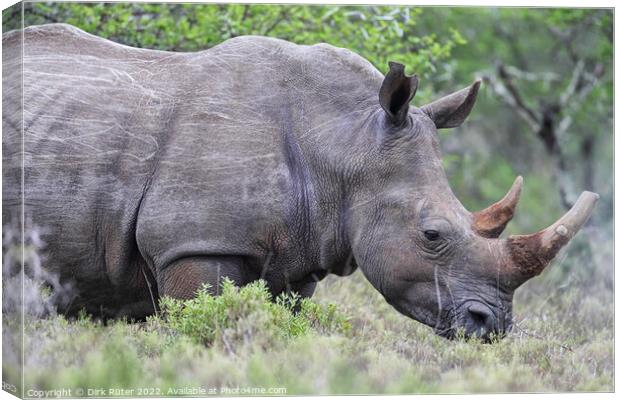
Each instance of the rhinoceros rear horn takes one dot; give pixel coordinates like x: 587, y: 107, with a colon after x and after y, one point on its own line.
x: 450, y: 111
x: 396, y: 92
x: 491, y: 221
x: 530, y: 254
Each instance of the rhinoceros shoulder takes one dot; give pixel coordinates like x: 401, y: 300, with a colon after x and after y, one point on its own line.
x: 345, y: 57
x: 324, y: 61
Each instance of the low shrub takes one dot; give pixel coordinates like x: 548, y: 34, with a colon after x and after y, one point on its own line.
x: 249, y: 315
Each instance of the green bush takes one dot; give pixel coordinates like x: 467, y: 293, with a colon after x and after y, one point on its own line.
x: 248, y: 315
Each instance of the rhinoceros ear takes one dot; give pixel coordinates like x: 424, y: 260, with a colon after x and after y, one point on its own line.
x: 450, y: 111
x: 396, y: 92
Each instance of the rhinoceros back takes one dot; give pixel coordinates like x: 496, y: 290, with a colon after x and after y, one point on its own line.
x: 193, y: 144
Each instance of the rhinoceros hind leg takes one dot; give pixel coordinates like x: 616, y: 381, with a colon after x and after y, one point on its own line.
x: 184, y: 277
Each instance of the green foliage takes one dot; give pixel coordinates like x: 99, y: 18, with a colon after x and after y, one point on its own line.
x: 546, y: 45
x: 378, y: 33
x: 247, y: 314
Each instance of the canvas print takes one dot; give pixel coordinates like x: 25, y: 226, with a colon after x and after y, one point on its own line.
x: 279, y: 200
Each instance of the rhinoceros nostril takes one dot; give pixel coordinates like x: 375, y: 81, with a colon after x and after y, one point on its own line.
x: 478, y: 317
x: 481, y: 321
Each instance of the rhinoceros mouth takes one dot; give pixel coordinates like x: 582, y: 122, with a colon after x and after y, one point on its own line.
x: 474, y: 318
x: 467, y: 319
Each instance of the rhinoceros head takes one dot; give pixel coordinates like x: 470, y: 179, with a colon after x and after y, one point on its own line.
x: 432, y: 259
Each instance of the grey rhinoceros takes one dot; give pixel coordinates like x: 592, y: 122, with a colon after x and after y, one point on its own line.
x: 255, y: 159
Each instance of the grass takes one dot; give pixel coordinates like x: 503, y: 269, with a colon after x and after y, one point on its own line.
x: 347, y: 340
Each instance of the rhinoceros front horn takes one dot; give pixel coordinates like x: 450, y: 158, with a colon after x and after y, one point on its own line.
x: 530, y: 254
x: 491, y: 221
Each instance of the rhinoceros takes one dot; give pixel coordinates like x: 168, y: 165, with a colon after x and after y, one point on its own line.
x: 156, y: 172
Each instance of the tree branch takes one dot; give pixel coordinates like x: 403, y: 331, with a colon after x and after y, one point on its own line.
x: 579, y: 88
x: 574, y: 83
x: 542, y: 121
x: 531, y: 76
x: 504, y: 88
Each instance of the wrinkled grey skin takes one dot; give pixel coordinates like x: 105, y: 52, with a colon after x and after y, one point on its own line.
x: 257, y: 158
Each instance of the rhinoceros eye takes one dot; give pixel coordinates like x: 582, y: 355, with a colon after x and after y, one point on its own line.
x: 431, y: 234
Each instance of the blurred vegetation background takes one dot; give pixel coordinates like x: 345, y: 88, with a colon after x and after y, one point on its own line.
x: 544, y: 112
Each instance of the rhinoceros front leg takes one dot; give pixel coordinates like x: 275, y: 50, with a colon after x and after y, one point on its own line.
x: 183, y: 278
